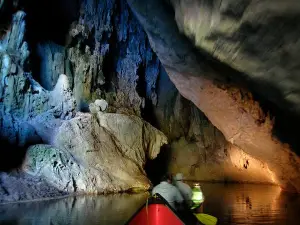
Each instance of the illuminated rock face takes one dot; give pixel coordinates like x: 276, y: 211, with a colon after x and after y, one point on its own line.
x: 102, y: 52
x: 22, y: 98
x: 258, y: 38
x: 89, y: 152
x: 219, y: 163
x: 93, y: 155
x: 240, y: 127
x: 240, y: 119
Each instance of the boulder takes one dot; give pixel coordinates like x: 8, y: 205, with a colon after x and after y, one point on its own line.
x: 96, y: 154
x: 91, y: 155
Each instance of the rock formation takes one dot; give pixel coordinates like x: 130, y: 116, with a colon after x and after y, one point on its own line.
x: 232, y: 110
x: 259, y: 39
x: 198, y: 149
x: 93, y: 155
x: 88, y: 152
x: 75, y: 94
x: 219, y: 163
x: 104, y: 52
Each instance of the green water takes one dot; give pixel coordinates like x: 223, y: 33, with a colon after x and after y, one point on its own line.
x: 232, y: 204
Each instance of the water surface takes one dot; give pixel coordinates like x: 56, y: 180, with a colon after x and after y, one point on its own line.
x: 232, y: 204
x: 251, y: 204
x: 79, y: 210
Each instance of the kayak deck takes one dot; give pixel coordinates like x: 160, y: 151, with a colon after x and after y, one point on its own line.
x: 156, y: 214
x: 157, y: 211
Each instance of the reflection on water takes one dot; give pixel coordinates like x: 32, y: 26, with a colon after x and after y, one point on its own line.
x: 80, y: 210
x: 232, y: 204
x: 251, y: 204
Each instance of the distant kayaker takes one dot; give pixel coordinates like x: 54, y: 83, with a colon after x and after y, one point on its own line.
x: 198, y: 198
x: 168, y: 191
x: 184, y: 189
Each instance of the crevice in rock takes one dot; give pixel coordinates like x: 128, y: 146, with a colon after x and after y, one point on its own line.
x: 74, y: 184
x: 50, y: 19
x: 109, y: 63
x: 158, y: 167
x: 147, y: 110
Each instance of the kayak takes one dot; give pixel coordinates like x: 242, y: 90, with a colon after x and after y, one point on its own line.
x: 157, y: 211
x: 156, y: 214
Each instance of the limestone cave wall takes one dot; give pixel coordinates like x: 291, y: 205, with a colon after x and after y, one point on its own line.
x: 61, y: 61
x: 231, y: 100
x: 57, y: 64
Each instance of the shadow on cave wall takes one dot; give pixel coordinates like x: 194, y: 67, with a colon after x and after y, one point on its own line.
x: 286, y: 125
x: 12, y: 156
x: 158, y: 167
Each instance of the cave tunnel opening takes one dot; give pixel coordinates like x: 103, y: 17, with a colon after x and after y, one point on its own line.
x: 158, y: 167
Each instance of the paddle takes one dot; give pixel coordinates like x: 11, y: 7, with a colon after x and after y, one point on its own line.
x: 202, y: 217
x: 206, y: 219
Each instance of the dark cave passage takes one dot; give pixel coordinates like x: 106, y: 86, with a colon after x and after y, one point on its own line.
x: 158, y: 167
x: 12, y: 156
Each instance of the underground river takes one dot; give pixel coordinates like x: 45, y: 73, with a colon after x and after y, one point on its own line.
x: 231, y: 203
